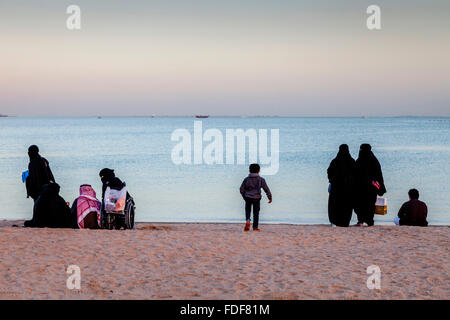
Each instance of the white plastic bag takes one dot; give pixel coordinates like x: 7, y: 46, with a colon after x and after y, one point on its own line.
x: 115, y: 200
x: 381, y: 206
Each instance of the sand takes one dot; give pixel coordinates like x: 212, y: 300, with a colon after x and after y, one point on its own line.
x: 219, y: 261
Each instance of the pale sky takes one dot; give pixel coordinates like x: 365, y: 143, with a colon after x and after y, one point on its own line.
x: 278, y: 57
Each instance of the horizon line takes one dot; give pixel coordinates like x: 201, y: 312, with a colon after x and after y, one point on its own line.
x: 222, y: 116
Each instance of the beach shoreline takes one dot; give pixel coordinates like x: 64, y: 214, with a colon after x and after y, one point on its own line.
x: 220, y: 261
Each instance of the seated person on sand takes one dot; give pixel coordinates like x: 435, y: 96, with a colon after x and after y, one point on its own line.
x: 85, y: 211
x: 414, y: 212
x: 50, y: 209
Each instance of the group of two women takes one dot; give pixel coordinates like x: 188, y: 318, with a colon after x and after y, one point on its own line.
x: 354, y: 185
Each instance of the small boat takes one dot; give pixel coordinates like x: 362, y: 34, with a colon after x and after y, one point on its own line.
x: 3, y: 116
x: 201, y: 117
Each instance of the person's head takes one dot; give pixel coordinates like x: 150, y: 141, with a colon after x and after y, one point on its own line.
x: 343, y: 150
x: 106, y: 174
x: 413, y: 194
x: 365, y: 147
x: 86, y: 189
x: 33, y: 151
x: 254, y: 168
x: 51, y: 188
x: 365, y: 150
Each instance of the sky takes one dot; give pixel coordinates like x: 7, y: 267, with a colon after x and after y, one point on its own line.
x: 278, y: 57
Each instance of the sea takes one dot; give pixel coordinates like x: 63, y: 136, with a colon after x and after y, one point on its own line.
x: 413, y: 152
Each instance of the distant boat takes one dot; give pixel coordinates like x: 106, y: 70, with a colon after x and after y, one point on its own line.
x: 201, y: 117
x: 3, y: 116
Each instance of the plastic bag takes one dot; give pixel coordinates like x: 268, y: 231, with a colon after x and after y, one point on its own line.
x: 381, y: 206
x: 115, y: 200
x: 25, y: 175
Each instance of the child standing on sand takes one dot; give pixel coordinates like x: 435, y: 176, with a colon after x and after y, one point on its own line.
x: 251, y: 192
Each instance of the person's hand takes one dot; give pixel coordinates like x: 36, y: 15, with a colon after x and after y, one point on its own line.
x: 270, y: 201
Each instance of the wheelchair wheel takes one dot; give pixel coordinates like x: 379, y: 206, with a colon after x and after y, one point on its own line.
x: 129, y: 215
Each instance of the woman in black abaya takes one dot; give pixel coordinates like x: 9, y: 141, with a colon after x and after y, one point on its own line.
x: 341, y: 177
x: 50, y: 209
x: 39, y: 173
x: 369, y: 184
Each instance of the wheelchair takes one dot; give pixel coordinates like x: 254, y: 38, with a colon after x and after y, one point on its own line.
x: 118, y: 211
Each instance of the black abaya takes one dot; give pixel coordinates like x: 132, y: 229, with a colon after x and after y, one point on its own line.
x: 341, y: 177
x: 50, y: 210
x: 39, y: 174
x: 368, y: 171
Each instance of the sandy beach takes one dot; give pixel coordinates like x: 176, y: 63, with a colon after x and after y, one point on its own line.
x: 219, y: 261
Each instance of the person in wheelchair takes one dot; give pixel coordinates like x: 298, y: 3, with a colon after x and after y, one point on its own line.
x: 117, y: 204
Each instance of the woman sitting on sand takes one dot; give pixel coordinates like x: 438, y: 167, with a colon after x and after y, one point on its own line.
x: 86, y: 208
x: 50, y: 209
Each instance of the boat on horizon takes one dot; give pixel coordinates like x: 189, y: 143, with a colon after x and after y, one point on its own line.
x: 201, y: 116
x: 3, y: 116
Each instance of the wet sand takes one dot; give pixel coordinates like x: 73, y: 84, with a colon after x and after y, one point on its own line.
x: 219, y: 261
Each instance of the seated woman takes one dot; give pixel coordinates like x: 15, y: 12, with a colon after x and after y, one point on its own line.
x: 86, y: 208
x: 50, y: 209
x: 122, y: 216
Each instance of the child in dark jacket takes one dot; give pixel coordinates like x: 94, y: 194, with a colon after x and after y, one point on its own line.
x: 251, y: 192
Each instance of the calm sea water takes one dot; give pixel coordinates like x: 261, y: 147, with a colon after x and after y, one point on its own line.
x: 413, y: 152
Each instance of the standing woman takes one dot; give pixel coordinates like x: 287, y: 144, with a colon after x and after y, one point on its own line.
x: 39, y: 173
x: 369, y: 184
x: 341, y: 175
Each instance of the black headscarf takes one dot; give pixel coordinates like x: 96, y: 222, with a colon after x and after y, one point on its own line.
x: 33, y: 152
x: 365, y: 153
x: 106, y: 175
x: 344, y: 152
x: 52, y: 188
x: 109, y: 179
